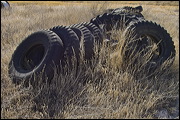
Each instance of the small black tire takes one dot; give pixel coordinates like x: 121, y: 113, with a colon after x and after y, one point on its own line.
x: 39, y: 52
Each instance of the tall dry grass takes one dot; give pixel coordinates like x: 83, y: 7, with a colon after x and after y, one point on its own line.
x: 106, y: 89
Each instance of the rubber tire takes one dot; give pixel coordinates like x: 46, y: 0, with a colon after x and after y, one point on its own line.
x: 87, y: 41
x: 44, y: 45
x: 77, y: 31
x: 129, y: 11
x: 71, y: 43
x: 158, y: 33
x: 100, y: 19
x: 96, y: 32
x: 108, y: 22
x: 112, y: 20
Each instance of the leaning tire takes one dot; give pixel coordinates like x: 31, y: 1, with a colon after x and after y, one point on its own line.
x: 71, y: 43
x: 39, y: 52
x: 96, y: 32
x: 101, y: 19
x: 154, y: 35
x: 87, y: 41
x: 114, y: 21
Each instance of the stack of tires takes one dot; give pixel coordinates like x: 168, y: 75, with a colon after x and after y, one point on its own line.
x: 45, y: 49
x: 139, y: 34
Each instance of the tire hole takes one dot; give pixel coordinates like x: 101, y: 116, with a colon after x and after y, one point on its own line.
x: 32, y: 57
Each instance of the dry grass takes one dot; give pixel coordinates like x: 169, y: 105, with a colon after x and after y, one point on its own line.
x: 102, y: 91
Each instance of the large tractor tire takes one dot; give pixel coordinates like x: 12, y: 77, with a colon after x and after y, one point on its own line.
x: 86, y: 42
x: 129, y: 11
x: 143, y: 36
x: 110, y: 22
x: 71, y: 44
x: 96, y: 32
x: 114, y: 21
x: 39, y: 53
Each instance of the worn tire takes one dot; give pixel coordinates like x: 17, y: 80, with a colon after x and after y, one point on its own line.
x: 96, y: 32
x: 100, y: 19
x: 78, y: 32
x: 71, y: 43
x: 114, y: 20
x: 39, y: 52
x: 129, y: 11
x: 156, y: 35
x: 87, y: 41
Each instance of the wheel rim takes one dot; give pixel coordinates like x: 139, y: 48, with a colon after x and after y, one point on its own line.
x: 149, y: 42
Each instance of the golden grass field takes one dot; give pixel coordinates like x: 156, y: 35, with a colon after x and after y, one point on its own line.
x: 113, y: 92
